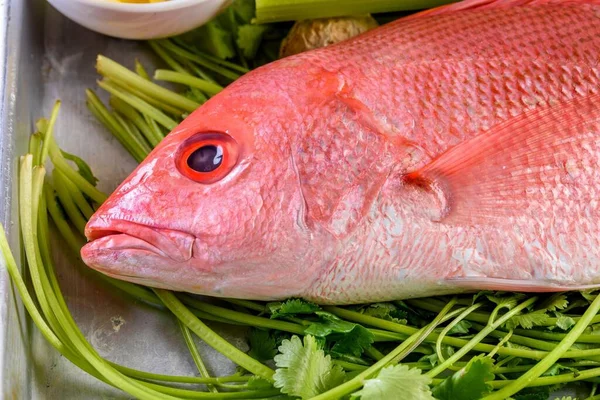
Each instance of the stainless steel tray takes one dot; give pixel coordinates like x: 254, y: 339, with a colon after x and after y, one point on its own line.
x: 44, y: 56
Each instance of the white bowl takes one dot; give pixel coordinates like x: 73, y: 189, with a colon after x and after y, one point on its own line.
x: 140, y: 20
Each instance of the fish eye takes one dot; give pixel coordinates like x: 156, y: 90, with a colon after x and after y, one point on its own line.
x: 207, y: 157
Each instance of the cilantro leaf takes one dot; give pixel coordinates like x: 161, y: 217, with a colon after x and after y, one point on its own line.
x: 505, y: 300
x: 392, y: 381
x: 82, y: 167
x: 347, y: 337
x: 292, y: 307
x: 470, y: 382
x: 304, y: 370
x: 528, y: 320
x: 557, y: 301
x: 462, y: 328
x: 387, y: 311
x: 249, y: 38
x: 433, y: 359
x: 558, y: 369
x: 564, y: 322
x: 263, y: 345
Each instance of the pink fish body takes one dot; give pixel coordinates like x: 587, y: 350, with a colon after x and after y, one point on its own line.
x: 454, y: 150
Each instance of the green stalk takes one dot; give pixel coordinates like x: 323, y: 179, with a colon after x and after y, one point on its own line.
x: 107, y: 119
x: 480, y: 336
x: 34, y: 313
x: 185, y: 79
x: 295, y: 10
x: 108, y: 68
x: 133, y: 134
x: 408, y: 330
x: 48, y: 133
x: 157, y: 48
x: 83, y: 185
x: 211, y: 338
x: 78, y: 198
x: 35, y: 142
x: 138, y: 104
x: 242, y: 317
x: 140, y: 70
x: 74, y: 242
x: 444, y: 332
x: 518, y: 339
x: 134, y: 373
x: 203, y: 59
x: 189, y: 341
x: 125, y: 86
x: 542, y: 366
x: 136, y: 118
x: 356, y: 382
x: 67, y: 201
x: 50, y: 306
x: 252, y: 305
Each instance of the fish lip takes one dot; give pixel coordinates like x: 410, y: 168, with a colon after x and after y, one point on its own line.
x: 167, y: 243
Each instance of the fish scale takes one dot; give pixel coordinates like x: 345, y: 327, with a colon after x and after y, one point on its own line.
x: 454, y: 150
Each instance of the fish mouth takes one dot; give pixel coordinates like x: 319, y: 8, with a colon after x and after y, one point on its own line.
x: 119, y: 236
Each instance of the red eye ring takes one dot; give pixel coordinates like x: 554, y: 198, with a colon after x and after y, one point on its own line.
x: 207, y: 157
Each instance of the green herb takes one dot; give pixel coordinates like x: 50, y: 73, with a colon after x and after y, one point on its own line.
x: 469, y: 383
x: 292, y: 308
x: 263, y: 346
x: 303, y: 370
x: 347, y: 337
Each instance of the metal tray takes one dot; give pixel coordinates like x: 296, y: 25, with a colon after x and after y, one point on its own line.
x: 43, y: 57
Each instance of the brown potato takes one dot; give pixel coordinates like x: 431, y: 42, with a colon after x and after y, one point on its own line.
x: 312, y: 34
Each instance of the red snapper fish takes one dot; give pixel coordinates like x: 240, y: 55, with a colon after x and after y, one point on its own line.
x: 453, y: 150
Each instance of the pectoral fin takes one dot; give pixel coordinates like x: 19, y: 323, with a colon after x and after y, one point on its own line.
x: 528, y: 164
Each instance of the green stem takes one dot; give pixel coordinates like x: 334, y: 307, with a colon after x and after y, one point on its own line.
x: 295, y: 10
x: 131, y: 113
x: 252, y: 305
x: 409, y: 330
x: 78, y: 198
x: 83, y: 185
x: 107, y: 119
x: 138, y: 104
x: 542, y: 366
x: 189, y: 341
x: 140, y: 70
x: 241, y: 317
x: 211, y: 338
x: 185, y: 79
x: 49, y: 131
x: 134, y: 373
x: 438, y: 342
x: 109, y: 68
x: 202, y: 59
x: 356, y: 382
x: 480, y: 336
x: 67, y: 202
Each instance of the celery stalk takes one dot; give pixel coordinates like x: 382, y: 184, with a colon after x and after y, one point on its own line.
x: 178, y: 77
x: 110, y: 69
x: 294, y: 10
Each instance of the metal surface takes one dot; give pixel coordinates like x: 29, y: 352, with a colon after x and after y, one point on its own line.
x: 45, y: 57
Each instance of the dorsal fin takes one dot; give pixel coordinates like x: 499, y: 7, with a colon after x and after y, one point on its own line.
x: 490, y: 4
x: 539, y: 161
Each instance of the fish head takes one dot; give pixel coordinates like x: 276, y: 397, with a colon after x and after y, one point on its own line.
x: 216, y: 208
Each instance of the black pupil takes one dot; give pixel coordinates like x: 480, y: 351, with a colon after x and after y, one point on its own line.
x: 206, y: 158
